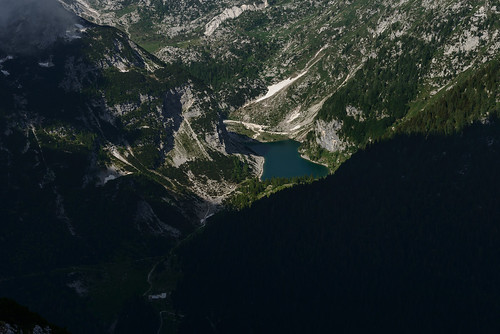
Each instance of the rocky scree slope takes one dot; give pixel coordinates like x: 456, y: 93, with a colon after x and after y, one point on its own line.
x: 94, y: 121
x: 363, y: 68
x: 334, y: 75
x: 160, y: 23
x: 108, y: 157
x: 104, y: 95
x: 403, y: 237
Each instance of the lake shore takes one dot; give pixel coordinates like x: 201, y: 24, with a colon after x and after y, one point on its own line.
x: 282, y: 159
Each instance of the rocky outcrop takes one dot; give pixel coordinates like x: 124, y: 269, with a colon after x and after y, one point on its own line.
x: 327, y: 135
x: 230, y: 13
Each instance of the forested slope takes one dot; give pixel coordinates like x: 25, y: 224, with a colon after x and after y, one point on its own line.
x: 403, y: 238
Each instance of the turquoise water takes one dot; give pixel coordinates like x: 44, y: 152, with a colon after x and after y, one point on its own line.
x: 282, y: 159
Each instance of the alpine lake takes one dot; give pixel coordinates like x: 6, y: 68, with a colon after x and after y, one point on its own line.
x: 282, y: 159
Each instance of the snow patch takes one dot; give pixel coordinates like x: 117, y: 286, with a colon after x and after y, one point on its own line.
x: 274, y: 89
x: 317, y: 53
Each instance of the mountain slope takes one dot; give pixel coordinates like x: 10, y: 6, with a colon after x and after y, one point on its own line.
x: 354, y: 69
x: 133, y: 113
x: 403, y: 238
x: 108, y: 157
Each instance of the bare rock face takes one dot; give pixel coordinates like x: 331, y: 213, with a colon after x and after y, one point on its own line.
x: 291, y: 59
x: 327, y: 135
x: 231, y: 13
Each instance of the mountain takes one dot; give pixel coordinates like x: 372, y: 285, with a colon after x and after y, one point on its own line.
x: 158, y: 23
x: 333, y: 75
x: 108, y: 157
x: 123, y: 129
x: 404, y: 237
x: 149, y: 117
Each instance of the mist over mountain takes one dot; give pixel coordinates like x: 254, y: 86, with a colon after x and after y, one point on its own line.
x: 30, y: 25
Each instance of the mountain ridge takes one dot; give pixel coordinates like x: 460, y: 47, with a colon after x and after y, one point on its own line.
x: 117, y: 141
x: 333, y: 46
